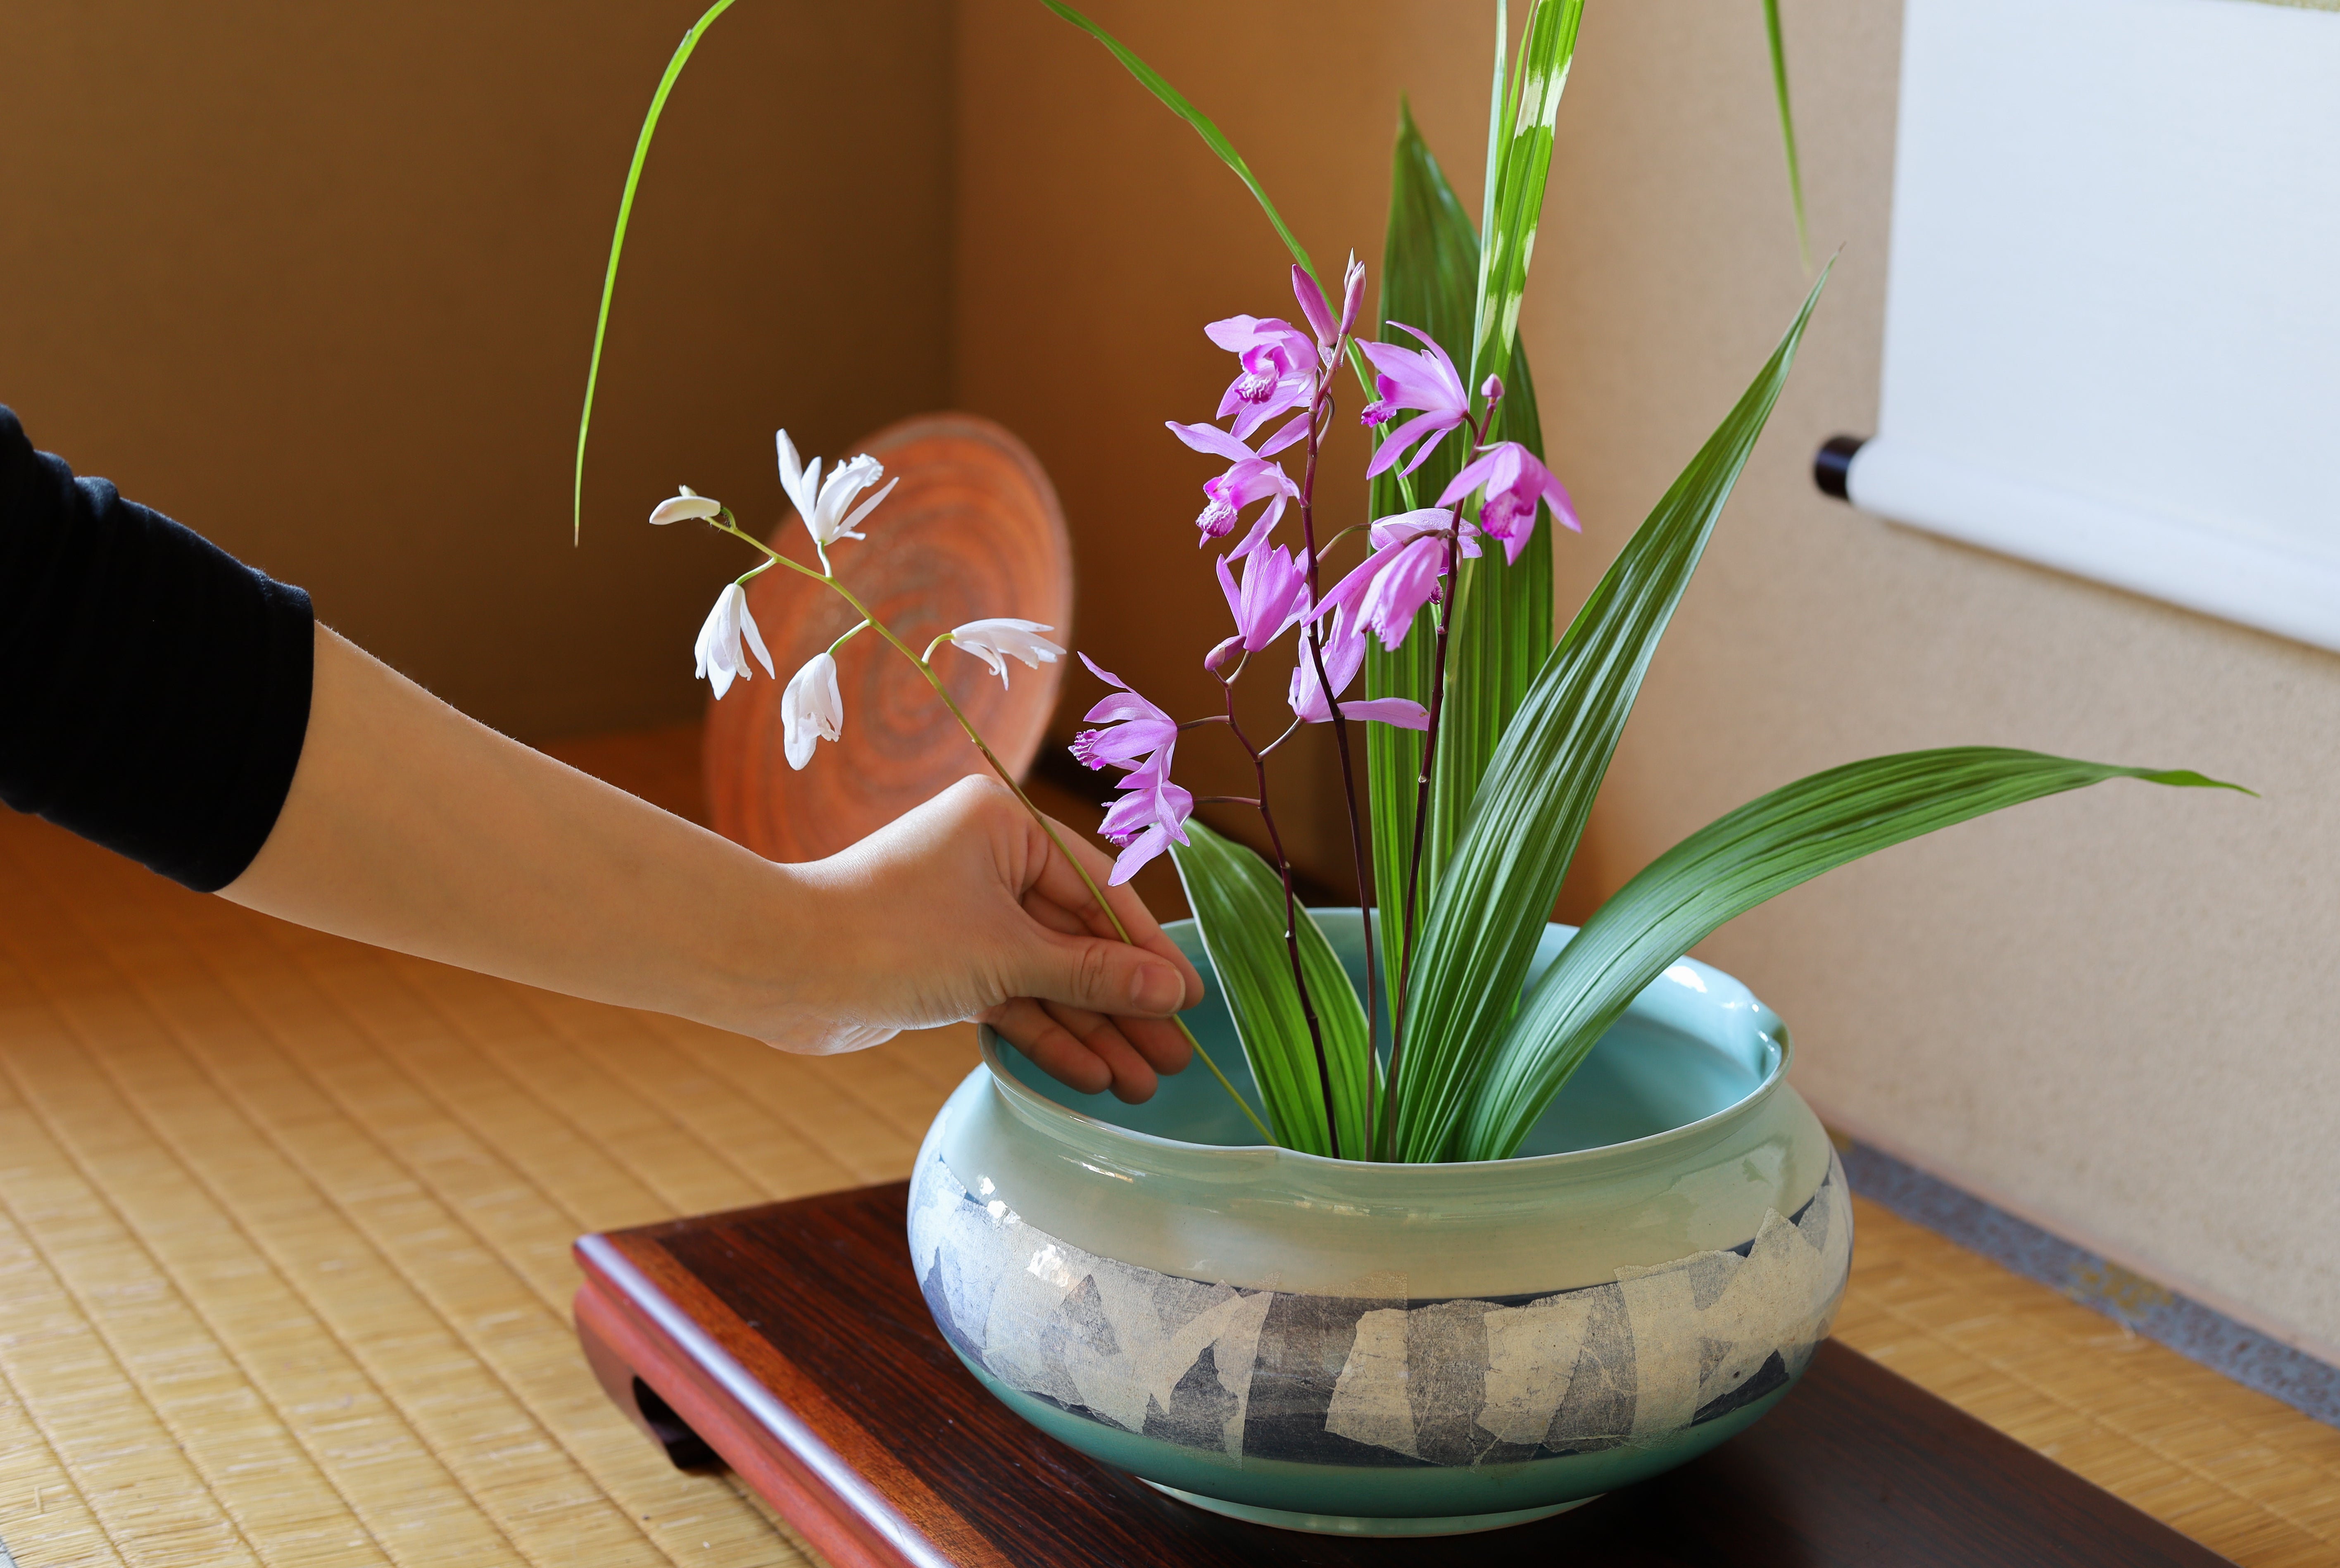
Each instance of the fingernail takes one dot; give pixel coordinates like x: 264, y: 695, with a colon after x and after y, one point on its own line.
x: 1156, y: 989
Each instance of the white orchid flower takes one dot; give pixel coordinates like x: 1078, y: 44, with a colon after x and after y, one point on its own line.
x: 812, y: 709
x: 997, y: 641
x: 687, y: 505
x: 720, y: 658
x: 823, y: 506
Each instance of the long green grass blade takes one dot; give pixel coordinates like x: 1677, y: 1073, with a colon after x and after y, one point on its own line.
x: 1498, y: 104
x: 618, y: 241
x: 1501, y: 611
x: 1787, y: 126
x: 1238, y: 903
x: 1726, y: 868
x: 1179, y: 105
x: 1508, y: 228
x: 1490, y: 908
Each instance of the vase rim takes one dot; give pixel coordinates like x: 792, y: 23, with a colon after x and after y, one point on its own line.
x: 1039, y: 1109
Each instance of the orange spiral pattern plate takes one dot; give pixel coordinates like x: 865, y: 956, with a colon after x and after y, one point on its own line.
x: 973, y: 530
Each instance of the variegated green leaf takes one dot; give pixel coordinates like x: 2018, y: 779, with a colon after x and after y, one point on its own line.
x: 1726, y: 868
x: 1509, y: 230
x: 1490, y: 905
x: 1430, y: 265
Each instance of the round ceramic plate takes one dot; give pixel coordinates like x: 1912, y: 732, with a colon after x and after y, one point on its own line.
x: 973, y: 530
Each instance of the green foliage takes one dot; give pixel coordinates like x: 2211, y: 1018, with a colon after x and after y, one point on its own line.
x: 1490, y: 908
x: 1238, y: 903
x: 1526, y: 738
x: 1725, y: 869
x: 1527, y: 730
x: 618, y: 241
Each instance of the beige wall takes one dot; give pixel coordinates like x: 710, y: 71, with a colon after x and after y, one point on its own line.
x: 2105, y: 1009
x: 320, y: 282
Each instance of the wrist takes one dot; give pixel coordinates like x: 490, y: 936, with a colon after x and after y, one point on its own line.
x: 764, y: 975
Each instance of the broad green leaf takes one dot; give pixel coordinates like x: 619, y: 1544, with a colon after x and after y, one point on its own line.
x: 1787, y: 126
x: 618, y: 241
x: 1508, y: 228
x: 1490, y: 906
x: 1430, y: 265
x: 1238, y: 903
x: 1725, y: 869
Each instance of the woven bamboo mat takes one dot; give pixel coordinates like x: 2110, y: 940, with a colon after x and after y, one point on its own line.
x: 284, y: 1277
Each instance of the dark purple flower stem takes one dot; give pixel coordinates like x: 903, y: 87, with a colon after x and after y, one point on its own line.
x: 1311, y: 639
x: 1446, y: 608
x: 1291, y: 922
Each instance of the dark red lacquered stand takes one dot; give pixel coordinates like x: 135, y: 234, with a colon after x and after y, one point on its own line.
x: 791, y: 1343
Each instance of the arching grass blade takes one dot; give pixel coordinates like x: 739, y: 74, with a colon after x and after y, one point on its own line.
x: 618, y: 241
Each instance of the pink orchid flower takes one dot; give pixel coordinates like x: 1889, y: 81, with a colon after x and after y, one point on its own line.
x: 1273, y: 599
x: 1344, y: 655
x: 1516, y: 482
x: 1151, y: 812
x: 1389, y: 587
x: 1135, y: 729
x: 1330, y: 333
x: 1279, y: 372
x: 1411, y: 378
x: 1250, y: 478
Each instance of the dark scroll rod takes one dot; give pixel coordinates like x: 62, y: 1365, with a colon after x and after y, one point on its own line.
x: 1832, y: 464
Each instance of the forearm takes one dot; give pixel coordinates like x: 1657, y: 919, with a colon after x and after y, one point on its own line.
x: 412, y: 827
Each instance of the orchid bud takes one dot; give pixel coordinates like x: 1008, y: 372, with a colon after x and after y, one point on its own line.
x: 1491, y: 389
x: 1354, y: 281
x: 1218, y: 657
x: 686, y: 502
x: 1313, y: 306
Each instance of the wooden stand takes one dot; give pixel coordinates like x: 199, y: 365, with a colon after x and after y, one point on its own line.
x: 792, y: 1342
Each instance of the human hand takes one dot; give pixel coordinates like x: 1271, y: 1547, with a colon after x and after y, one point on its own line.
x: 961, y: 909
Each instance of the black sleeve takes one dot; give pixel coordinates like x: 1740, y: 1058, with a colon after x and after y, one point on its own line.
x: 153, y: 690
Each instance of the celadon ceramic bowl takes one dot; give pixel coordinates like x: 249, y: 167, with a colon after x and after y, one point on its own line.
x: 1391, y: 1349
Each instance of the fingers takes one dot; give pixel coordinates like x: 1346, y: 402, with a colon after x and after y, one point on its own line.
x: 1060, y: 885
x: 1166, y: 1047
x: 1101, y: 974
x: 1078, y: 1048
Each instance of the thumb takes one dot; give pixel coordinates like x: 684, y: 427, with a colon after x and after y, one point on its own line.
x: 1103, y: 976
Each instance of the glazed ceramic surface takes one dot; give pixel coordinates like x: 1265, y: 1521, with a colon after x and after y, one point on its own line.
x: 1394, y: 1348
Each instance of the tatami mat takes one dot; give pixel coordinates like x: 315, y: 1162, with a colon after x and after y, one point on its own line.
x: 284, y: 1271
